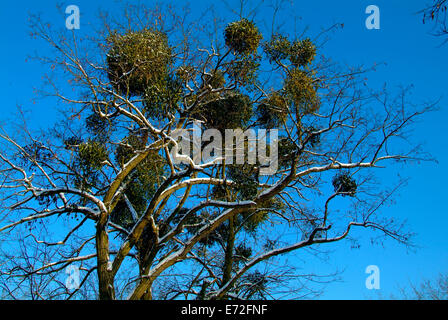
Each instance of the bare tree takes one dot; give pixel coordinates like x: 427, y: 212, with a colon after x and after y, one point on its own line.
x: 436, y: 13
x: 436, y: 289
x: 102, y: 190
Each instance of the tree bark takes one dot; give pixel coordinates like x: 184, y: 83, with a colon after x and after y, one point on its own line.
x: 105, y: 276
x: 228, y: 261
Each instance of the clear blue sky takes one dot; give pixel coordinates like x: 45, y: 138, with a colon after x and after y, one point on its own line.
x: 412, y: 56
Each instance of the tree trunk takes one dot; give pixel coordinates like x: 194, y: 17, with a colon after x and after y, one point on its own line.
x: 105, y: 278
x: 228, y: 261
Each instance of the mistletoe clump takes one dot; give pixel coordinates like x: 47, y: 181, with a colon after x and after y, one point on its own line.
x: 244, y: 186
x: 128, y: 148
x: 122, y: 215
x: 287, y: 151
x: 301, y: 89
x: 242, y: 37
x: 300, y: 53
x: 149, y: 171
x: 253, y: 218
x: 141, y: 183
x: 161, y: 97
x: 92, y: 154
x: 215, y: 80
x: 89, y: 158
x: 243, y: 252
x: 244, y: 71
x: 345, y: 184
x: 278, y: 48
x: 313, y: 138
x: 99, y: 127
x: 231, y: 111
x: 95, y: 124
x: 272, y: 112
x: 137, y: 60
x: 245, y: 181
x: 139, y: 188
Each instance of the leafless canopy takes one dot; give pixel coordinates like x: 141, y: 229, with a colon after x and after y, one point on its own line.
x: 436, y: 13
x: 51, y: 218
